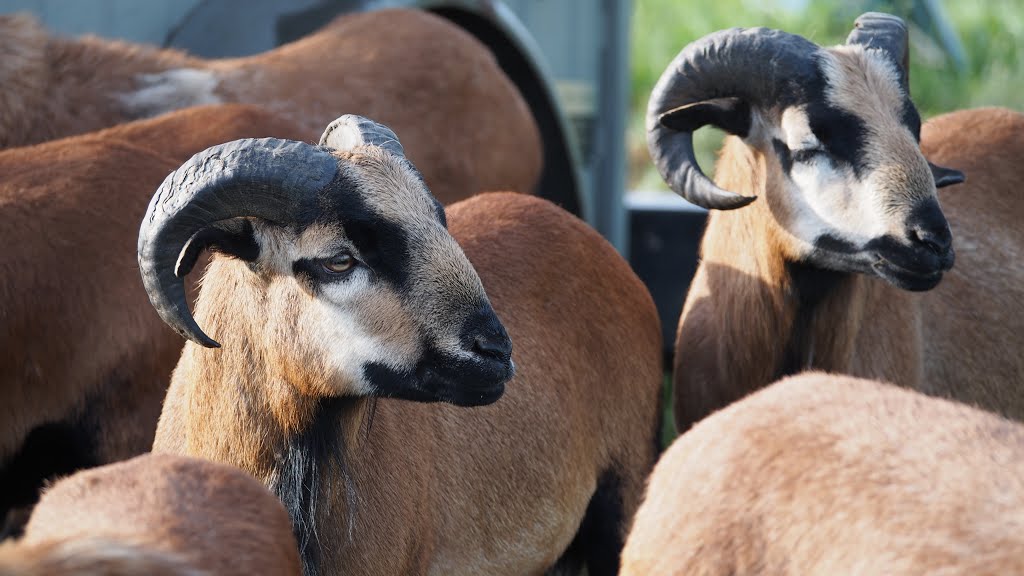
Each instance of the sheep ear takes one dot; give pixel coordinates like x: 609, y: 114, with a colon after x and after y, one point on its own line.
x: 351, y: 131
x: 730, y: 114
x: 946, y: 176
x: 232, y: 237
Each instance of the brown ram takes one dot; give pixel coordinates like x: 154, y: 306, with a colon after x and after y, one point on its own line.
x: 158, y: 515
x: 822, y: 474
x: 348, y: 307
x: 462, y: 120
x: 825, y: 270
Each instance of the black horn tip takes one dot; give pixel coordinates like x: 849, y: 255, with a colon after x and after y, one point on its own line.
x: 201, y: 339
x: 180, y: 321
x: 207, y: 341
x: 192, y: 331
x: 733, y: 201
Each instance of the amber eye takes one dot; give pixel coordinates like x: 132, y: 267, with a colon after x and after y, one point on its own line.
x: 340, y: 263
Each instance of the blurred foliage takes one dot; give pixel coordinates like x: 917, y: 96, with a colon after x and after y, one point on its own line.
x: 990, y: 33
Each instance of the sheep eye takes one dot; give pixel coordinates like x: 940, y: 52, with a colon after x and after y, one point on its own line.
x: 339, y: 264
x: 807, y: 155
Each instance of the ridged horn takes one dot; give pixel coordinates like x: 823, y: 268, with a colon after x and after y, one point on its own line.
x: 887, y: 33
x: 351, y: 130
x: 760, y: 67
x: 271, y: 179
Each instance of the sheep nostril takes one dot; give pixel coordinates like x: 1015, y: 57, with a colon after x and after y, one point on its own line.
x: 496, y: 346
x: 938, y: 241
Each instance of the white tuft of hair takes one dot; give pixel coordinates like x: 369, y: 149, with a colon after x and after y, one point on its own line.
x: 171, y: 90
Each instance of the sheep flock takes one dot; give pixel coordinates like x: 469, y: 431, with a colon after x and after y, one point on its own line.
x: 301, y: 313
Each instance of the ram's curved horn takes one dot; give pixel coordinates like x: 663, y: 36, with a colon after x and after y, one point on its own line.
x: 270, y: 179
x: 754, y: 67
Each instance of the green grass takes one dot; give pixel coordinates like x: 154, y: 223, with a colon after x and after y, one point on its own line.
x: 991, y: 32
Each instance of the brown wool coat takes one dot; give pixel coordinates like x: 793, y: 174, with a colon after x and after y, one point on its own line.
x: 156, y: 514
x: 822, y: 475
x: 81, y: 349
x: 461, y: 120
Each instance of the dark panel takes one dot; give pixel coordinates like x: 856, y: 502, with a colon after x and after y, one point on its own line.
x: 663, y: 252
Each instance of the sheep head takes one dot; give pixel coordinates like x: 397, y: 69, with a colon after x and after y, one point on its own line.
x: 839, y: 134
x: 348, y: 263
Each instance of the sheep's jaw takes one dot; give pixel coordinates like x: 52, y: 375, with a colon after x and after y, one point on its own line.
x: 440, y: 378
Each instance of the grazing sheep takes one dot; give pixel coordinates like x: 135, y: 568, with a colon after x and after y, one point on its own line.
x: 84, y: 362
x: 818, y: 272
x: 462, y: 120
x: 156, y: 514
x: 344, y: 292
x: 822, y: 474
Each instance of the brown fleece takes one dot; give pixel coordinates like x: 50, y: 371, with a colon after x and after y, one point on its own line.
x: 156, y: 514
x: 79, y: 342
x: 822, y: 474
x: 461, y: 120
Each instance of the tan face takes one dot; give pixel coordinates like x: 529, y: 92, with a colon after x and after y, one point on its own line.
x: 858, y: 195
x: 376, y: 294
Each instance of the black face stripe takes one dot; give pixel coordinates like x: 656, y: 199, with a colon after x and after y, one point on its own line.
x: 782, y: 151
x: 383, y: 245
x: 832, y: 243
x: 911, y: 119
x: 842, y: 134
x: 439, y: 210
x: 306, y: 269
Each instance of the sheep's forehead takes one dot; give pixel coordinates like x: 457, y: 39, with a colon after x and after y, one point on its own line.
x: 864, y: 83
x: 373, y: 191
x: 391, y: 188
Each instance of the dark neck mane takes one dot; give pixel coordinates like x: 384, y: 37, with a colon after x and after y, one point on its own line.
x: 313, y: 469
x: 809, y: 288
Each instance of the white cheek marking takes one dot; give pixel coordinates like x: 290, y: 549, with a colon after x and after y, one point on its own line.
x: 830, y: 201
x: 171, y: 90
x: 827, y: 200
x: 347, y: 345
